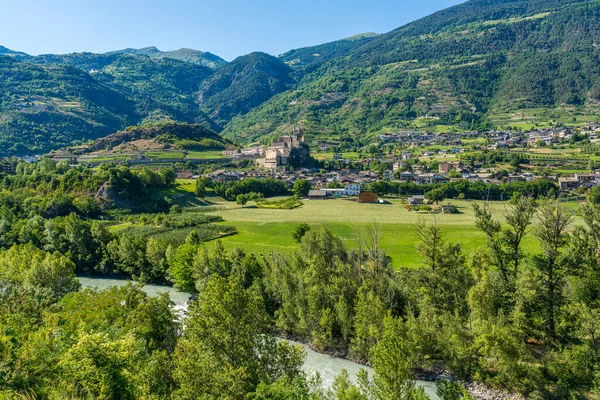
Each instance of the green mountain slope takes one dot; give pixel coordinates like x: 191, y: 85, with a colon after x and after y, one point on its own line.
x: 308, y: 58
x: 455, y: 67
x: 8, y: 52
x: 243, y: 84
x: 42, y: 108
x: 188, y: 55
x: 162, y: 89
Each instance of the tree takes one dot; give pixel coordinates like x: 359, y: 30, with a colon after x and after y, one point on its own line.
x: 301, y: 187
x: 181, y: 267
x: 300, y: 231
x: 226, y: 350
x: 504, y: 245
x: 435, y: 195
x: 368, y: 323
x: 391, y: 363
x: 241, y: 200
x: 168, y: 176
x: 553, y: 265
x: 200, y: 189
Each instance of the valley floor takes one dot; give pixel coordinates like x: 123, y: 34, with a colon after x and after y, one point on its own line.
x: 264, y: 231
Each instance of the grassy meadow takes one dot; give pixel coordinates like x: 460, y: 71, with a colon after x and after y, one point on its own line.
x: 263, y: 231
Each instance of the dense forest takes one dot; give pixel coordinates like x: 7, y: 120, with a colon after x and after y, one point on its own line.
x: 456, y: 67
x: 525, y: 319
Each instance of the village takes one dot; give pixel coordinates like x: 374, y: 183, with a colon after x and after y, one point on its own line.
x: 348, y: 177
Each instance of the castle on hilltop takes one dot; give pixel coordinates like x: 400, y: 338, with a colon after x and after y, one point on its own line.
x: 278, y: 153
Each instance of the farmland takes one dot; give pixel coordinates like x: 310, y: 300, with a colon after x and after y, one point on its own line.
x: 270, y: 230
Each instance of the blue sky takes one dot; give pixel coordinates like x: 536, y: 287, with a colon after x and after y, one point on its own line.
x: 228, y: 28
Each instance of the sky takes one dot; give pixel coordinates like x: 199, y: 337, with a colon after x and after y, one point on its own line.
x: 227, y: 28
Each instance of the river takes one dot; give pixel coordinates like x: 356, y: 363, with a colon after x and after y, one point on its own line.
x: 327, y: 366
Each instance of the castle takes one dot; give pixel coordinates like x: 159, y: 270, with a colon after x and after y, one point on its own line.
x: 278, y: 153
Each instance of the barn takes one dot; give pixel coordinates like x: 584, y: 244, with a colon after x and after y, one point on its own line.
x: 368, y: 197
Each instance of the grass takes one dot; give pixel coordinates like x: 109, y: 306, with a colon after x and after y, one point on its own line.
x: 202, y: 155
x: 159, y: 155
x: 329, y: 155
x: 263, y: 231
x: 186, y: 185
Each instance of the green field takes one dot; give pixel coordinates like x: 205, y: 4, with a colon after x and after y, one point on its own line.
x: 203, y: 155
x: 263, y: 231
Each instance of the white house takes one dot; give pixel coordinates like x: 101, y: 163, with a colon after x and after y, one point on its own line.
x: 352, y: 189
x: 388, y: 175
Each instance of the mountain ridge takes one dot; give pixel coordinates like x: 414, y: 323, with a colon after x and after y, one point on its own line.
x: 193, y: 56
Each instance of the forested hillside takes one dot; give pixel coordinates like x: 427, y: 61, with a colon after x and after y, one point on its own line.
x: 161, y: 89
x: 454, y: 67
x: 245, y: 83
x: 308, y: 58
x: 49, y: 107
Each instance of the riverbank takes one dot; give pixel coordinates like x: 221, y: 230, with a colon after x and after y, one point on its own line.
x: 423, y: 378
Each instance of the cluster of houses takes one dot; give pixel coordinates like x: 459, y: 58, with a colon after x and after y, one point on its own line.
x: 348, y: 182
x: 577, y: 181
x: 497, y: 139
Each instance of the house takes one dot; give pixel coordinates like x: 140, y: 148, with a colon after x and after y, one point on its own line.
x: 445, y: 166
x: 224, y: 176
x: 184, y: 174
x: 388, y: 175
x: 570, y: 183
x: 586, y: 180
x: 368, y: 197
x: 416, y: 200
x: 528, y: 176
x: 515, y: 178
x: 352, y: 189
x: 406, y: 176
x: 398, y: 165
x: 430, y: 178
x: 317, y: 194
x: 448, y: 209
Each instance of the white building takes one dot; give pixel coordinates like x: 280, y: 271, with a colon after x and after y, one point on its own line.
x: 388, y: 174
x: 352, y: 189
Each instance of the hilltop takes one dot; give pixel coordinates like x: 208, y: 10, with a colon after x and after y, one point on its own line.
x: 181, y: 135
x: 158, y: 142
x: 203, y: 58
x: 307, y: 58
x: 245, y: 83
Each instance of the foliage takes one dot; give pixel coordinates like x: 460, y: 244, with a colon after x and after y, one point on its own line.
x: 284, y: 204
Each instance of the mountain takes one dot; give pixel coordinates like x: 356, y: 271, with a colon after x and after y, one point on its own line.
x: 188, y: 55
x: 246, y: 82
x: 457, y: 67
x: 162, y: 89
x: 8, y: 52
x: 48, y: 107
x: 477, y: 65
x: 309, y: 57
